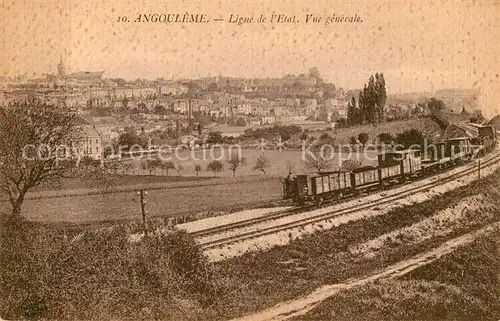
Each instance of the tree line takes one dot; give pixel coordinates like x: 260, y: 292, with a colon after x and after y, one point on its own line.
x: 235, y: 161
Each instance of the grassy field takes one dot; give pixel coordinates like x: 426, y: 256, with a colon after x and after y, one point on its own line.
x: 461, y: 286
x: 104, y: 180
x: 168, y: 196
x: 165, y: 202
x: 427, y: 126
x: 277, y: 162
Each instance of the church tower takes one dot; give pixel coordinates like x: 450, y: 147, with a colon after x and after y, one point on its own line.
x: 61, y: 71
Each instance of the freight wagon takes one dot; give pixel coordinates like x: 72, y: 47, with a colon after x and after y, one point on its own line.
x: 393, y: 167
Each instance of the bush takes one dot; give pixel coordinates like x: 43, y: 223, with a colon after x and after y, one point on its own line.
x: 351, y: 164
x: 261, y: 164
x: 215, y: 166
x: 363, y: 138
x: 385, y: 138
x: 325, y: 138
x: 215, y: 138
x: 342, y: 123
x: 101, y: 275
x: 410, y: 137
x: 241, y: 122
x: 268, y: 133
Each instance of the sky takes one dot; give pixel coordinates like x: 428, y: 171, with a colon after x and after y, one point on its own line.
x: 419, y: 46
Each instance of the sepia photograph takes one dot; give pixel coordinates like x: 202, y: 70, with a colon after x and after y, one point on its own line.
x: 249, y: 160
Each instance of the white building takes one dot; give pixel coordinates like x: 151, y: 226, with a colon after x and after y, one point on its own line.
x: 90, y: 144
x: 244, y: 109
x: 172, y: 89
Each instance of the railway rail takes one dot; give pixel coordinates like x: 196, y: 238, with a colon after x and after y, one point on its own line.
x: 278, y: 214
x: 284, y: 213
x: 224, y: 241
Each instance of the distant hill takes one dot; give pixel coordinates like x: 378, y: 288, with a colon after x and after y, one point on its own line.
x: 404, y: 98
x: 409, y: 98
x: 457, y: 92
x: 457, y: 99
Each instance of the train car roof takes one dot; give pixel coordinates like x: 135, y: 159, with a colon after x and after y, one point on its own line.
x: 363, y: 169
x: 317, y: 174
x: 459, y: 138
x: 402, y: 151
x: 333, y: 172
x: 314, y: 175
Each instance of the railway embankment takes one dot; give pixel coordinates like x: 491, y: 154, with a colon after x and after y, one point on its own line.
x: 462, y: 285
x: 269, y: 278
x: 281, y: 230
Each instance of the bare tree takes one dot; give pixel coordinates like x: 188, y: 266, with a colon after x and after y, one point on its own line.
x: 262, y: 164
x: 34, y: 137
x: 144, y: 165
x: 127, y: 166
x: 88, y: 164
x: 234, y: 162
x: 289, y: 166
x: 350, y: 164
x: 168, y: 165
x: 197, y: 169
x: 179, y: 168
x: 153, y: 164
x: 318, y: 158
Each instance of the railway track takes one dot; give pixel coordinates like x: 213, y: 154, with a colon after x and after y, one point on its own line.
x: 224, y: 241
x: 284, y: 213
x: 279, y: 214
x: 471, y: 129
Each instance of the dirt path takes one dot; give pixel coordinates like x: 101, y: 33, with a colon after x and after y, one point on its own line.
x: 302, y: 305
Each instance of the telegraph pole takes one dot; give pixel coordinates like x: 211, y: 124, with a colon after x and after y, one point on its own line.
x: 143, y: 195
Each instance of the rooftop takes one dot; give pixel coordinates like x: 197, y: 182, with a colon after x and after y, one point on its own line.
x: 400, y: 152
x: 89, y: 131
x: 460, y: 138
x: 86, y: 74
